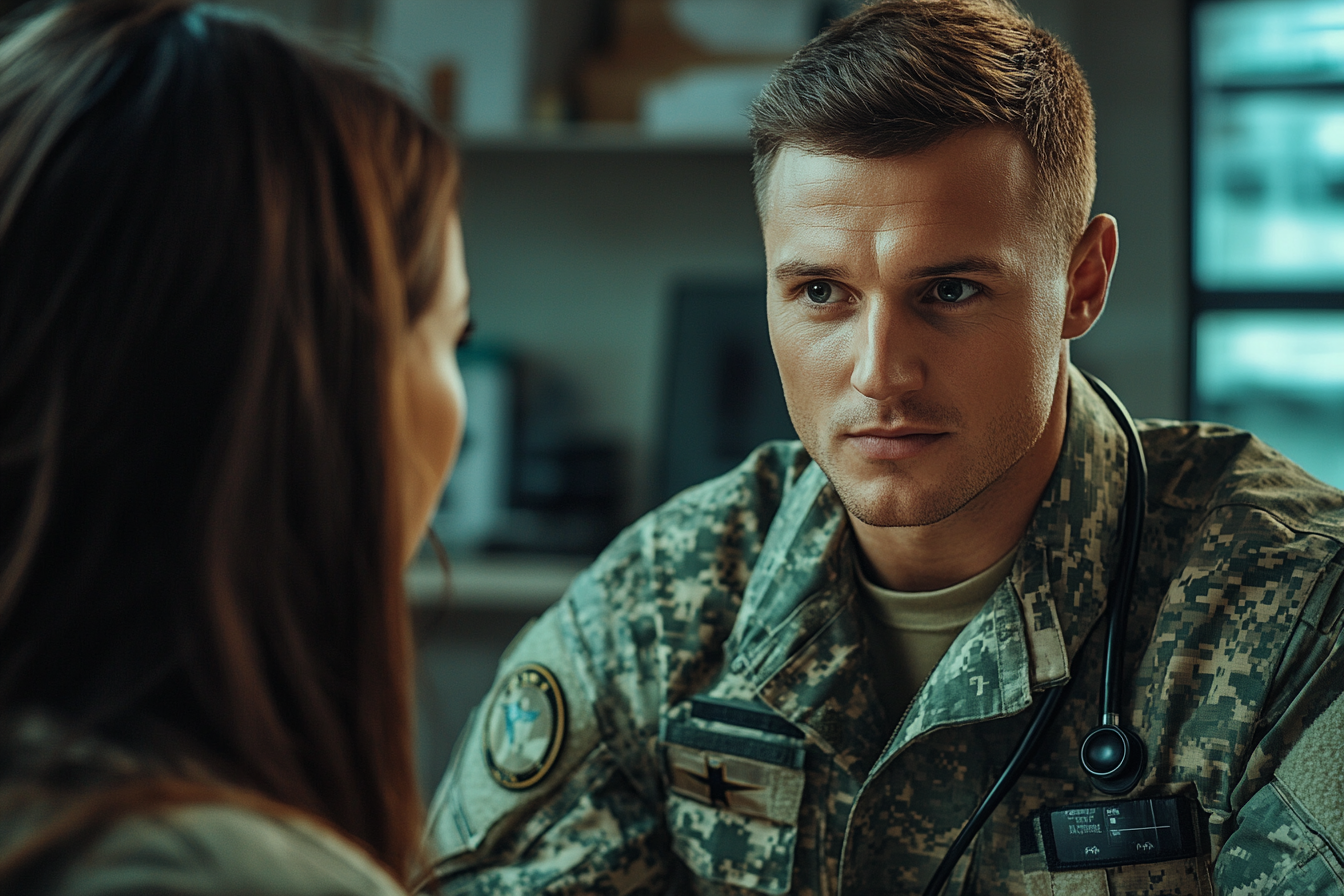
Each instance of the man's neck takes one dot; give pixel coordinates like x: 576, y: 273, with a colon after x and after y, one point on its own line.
x: 952, y: 550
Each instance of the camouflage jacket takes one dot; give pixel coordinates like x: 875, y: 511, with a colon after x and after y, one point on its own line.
x: 712, y: 725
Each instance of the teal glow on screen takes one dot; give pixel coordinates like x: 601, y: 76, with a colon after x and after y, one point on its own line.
x: 1279, y: 374
x: 1269, y: 138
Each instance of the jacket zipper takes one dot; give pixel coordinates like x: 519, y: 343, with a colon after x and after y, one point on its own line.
x: 877, y: 769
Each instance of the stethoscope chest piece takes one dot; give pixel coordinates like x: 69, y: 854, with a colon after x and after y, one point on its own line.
x: 1114, y: 758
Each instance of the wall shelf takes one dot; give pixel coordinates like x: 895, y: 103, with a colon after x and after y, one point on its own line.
x: 521, y: 582
x: 621, y: 138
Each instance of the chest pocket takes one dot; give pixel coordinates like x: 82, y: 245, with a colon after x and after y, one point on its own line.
x: 1143, y: 847
x: 734, y: 790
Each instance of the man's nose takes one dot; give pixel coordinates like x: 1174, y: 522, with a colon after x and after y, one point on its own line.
x: 887, y: 357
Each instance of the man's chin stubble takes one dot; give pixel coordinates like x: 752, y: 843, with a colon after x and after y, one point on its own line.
x: 901, y: 514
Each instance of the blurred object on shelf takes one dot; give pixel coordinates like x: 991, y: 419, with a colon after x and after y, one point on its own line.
x: 654, y: 40
x: 565, y: 500
x: 496, y: 68
x: 443, y: 93
x: 710, y: 100
x: 746, y: 27
x: 475, y: 502
x: 505, y: 53
x: 722, y: 396
x: 645, y: 46
x: 487, y: 41
x: 549, y: 109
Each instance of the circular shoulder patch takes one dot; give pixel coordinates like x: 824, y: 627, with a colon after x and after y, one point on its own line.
x: 525, y: 727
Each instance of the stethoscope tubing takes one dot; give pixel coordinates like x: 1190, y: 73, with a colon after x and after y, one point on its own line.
x: 1131, y: 535
x: 1026, y: 747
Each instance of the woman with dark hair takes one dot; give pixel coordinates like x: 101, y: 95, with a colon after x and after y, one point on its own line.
x: 231, y: 287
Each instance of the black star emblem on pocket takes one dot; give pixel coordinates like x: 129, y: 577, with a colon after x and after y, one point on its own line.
x: 716, y: 780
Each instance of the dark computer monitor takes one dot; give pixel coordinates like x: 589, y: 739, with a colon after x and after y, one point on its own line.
x: 721, y: 394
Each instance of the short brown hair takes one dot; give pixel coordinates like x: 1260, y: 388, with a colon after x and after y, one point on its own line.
x: 899, y: 76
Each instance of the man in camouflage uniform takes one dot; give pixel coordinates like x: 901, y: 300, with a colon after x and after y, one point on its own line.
x: 709, y: 708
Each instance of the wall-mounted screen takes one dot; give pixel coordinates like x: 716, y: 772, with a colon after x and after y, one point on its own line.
x: 1279, y: 374
x: 1268, y: 136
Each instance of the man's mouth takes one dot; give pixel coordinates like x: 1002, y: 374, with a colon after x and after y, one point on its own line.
x: 898, y: 443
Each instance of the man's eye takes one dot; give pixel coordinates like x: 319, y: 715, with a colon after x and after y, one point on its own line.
x: 822, y: 292
x: 953, y: 291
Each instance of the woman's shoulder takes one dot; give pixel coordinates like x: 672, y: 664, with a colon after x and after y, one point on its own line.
x: 57, y: 792
x: 219, y: 848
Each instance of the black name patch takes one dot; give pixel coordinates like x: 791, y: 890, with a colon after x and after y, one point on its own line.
x: 1117, y: 832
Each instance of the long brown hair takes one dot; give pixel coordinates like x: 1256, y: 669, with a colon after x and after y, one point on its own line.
x: 210, y: 240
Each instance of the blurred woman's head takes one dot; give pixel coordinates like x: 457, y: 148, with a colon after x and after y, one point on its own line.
x: 230, y: 282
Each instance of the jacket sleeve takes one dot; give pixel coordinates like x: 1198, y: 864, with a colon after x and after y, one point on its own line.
x: 1289, y: 838
x: 587, y: 823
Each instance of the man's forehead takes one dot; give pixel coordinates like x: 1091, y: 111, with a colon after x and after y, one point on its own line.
x: 965, y: 204
x: 981, y: 167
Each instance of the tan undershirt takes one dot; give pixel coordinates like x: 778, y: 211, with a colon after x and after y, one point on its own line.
x: 913, y: 629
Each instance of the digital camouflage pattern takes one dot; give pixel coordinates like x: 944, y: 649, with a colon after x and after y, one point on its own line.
x: 743, y: 590
x: 1299, y: 821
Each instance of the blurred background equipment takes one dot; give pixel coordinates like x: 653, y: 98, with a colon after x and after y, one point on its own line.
x: 722, y: 396
x: 1267, y: 223
x: 1280, y: 374
x: 475, y: 504
x: 565, y: 487
x: 525, y: 481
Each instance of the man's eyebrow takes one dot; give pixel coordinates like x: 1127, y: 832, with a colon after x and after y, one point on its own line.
x: 794, y: 270
x: 971, y: 264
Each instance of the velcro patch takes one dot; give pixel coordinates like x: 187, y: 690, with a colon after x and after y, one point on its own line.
x: 742, y: 715
x: 736, y: 783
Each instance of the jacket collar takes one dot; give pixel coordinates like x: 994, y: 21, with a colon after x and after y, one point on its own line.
x: 798, y: 640
x: 1069, y: 554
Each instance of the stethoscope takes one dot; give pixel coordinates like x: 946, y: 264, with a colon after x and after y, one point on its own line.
x: 1112, y: 755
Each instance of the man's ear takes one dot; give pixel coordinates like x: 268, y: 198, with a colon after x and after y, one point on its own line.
x: 1090, y: 268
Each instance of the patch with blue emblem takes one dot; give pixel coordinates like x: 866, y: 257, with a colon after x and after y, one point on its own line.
x: 525, y: 727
